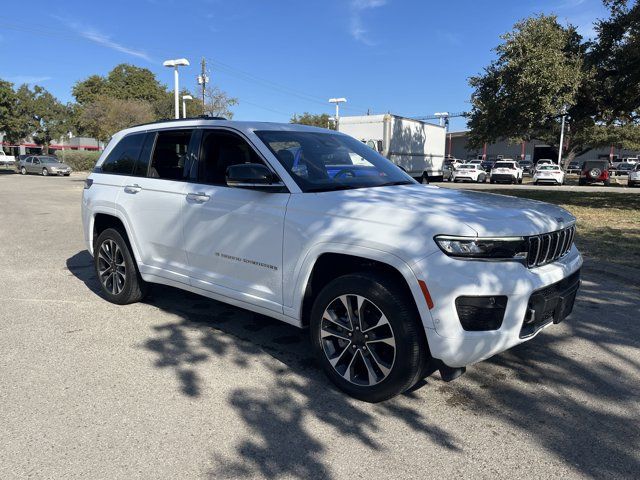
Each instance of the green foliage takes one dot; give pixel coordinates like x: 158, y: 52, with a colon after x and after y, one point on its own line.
x: 544, y: 69
x: 79, y: 160
x: 315, y: 120
x: 106, y: 115
x: 538, y: 72
x: 52, y: 117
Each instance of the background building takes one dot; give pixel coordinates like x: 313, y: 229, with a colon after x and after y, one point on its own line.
x: 457, y: 146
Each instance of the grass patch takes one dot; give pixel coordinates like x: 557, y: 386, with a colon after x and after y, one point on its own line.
x: 608, y: 223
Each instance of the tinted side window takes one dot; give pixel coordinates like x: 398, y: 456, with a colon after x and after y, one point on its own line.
x: 221, y: 149
x: 124, y: 155
x: 169, y: 158
x: 142, y: 165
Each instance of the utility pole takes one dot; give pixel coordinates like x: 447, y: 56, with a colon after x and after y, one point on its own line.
x: 564, y: 114
x: 203, y: 79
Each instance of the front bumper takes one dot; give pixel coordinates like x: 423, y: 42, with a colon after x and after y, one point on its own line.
x: 456, y: 347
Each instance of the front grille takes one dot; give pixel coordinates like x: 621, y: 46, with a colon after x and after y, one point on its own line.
x: 549, y: 247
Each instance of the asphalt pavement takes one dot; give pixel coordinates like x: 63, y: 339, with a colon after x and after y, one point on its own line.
x: 185, y: 387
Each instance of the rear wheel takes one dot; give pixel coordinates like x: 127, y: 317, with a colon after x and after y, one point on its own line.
x: 520, y: 180
x: 45, y: 172
x: 23, y: 171
x: 366, y: 336
x: 116, y: 270
x: 607, y: 182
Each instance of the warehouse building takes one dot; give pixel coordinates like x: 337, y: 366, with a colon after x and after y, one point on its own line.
x: 457, y: 146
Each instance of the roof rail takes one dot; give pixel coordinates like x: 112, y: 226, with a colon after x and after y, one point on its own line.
x: 164, y: 120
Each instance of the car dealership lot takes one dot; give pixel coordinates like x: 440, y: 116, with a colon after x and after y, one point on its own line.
x: 180, y: 386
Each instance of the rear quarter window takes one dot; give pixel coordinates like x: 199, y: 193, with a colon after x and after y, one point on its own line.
x: 124, y: 155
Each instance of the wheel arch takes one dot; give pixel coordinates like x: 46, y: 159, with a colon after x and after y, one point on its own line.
x: 324, y: 263
x: 103, y: 220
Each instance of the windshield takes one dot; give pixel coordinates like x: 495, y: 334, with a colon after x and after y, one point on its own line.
x: 503, y: 165
x: 328, y: 161
x: 48, y: 159
x: 469, y: 167
x: 549, y: 167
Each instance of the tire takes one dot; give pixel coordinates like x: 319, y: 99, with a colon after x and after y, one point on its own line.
x: 381, y: 371
x: 582, y: 181
x: 520, y: 181
x: 425, y: 179
x: 481, y: 178
x: 23, y: 171
x: 45, y: 172
x: 126, y: 285
x: 607, y: 183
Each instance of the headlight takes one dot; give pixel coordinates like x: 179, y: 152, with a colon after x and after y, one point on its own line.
x: 489, y: 248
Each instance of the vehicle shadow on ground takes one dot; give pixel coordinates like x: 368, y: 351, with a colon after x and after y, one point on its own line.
x: 583, y: 411
x: 280, y: 444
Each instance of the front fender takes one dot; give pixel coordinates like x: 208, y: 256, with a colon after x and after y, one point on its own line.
x: 305, y: 267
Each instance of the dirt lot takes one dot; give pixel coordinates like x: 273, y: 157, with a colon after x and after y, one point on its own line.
x: 183, y: 387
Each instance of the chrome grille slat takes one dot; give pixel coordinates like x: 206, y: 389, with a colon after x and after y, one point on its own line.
x: 549, y: 247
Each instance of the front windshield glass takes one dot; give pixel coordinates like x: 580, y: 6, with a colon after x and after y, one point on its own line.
x: 548, y: 167
x: 48, y: 159
x: 328, y: 161
x: 470, y: 167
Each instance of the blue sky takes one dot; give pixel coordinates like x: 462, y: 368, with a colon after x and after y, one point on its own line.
x: 410, y: 57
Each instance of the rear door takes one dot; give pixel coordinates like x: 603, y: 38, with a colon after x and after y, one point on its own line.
x: 152, y: 198
x: 233, y: 236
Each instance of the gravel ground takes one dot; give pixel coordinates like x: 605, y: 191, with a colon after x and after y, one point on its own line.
x: 184, y: 387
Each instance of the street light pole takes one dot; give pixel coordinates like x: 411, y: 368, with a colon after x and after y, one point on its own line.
x: 184, y: 104
x: 561, y: 139
x: 337, y: 101
x: 179, y: 62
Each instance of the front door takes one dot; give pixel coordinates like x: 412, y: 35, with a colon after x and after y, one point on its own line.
x: 233, y: 236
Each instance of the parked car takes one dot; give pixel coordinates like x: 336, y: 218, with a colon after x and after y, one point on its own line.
x: 487, y: 165
x: 573, y: 167
x: 469, y: 172
x: 634, y: 176
x: 6, y: 160
x: 624, y: 168
x: 594, y: 171
x: 475, y: 161
x: 526, y: 166
x: 548, y: 174
x: 43, y: 165
x: 393, y: 279
x: 506, y: 171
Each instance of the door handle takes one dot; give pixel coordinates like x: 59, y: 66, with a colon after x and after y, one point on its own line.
x: 198, y: 197
x: 132, y: 188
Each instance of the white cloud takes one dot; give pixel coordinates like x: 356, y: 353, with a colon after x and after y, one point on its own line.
x: 104, y: 40
x: 356, y: 25
x: 28, y: 79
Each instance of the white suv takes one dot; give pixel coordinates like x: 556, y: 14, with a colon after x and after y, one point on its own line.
x: 394, y: 279
x: 506, y: 171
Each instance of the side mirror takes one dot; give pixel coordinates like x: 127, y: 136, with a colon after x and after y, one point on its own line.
x: 251, y: 175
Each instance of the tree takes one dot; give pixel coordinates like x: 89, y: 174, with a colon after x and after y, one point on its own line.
x: 16, y: 118
x: 218, y: 103
x: 615, y: 58
x: 544, y: 69
x: 521, y: 95
x: 52, y: 117
x: 107, y: 115
x: 317, y: 120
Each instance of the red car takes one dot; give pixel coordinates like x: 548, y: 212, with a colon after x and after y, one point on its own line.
x: 594, y: 171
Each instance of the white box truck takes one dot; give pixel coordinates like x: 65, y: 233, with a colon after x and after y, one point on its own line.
x: 415, y: 146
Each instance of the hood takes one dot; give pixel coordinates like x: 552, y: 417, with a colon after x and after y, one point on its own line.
x: 445, y: 211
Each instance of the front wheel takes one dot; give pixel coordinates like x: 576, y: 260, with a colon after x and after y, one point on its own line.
x: 116, y: 270
x: 23, y: 171
x: 45, y: 172
x: 520, y: 180
x: 481, y: 178
x: 366, y: 335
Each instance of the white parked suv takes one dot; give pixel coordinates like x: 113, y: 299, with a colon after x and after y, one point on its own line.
x: 507, y: 170
x: 634, y: 176
x: 393, y: 279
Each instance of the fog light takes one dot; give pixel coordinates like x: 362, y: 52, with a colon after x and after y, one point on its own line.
x: 481, y: 313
